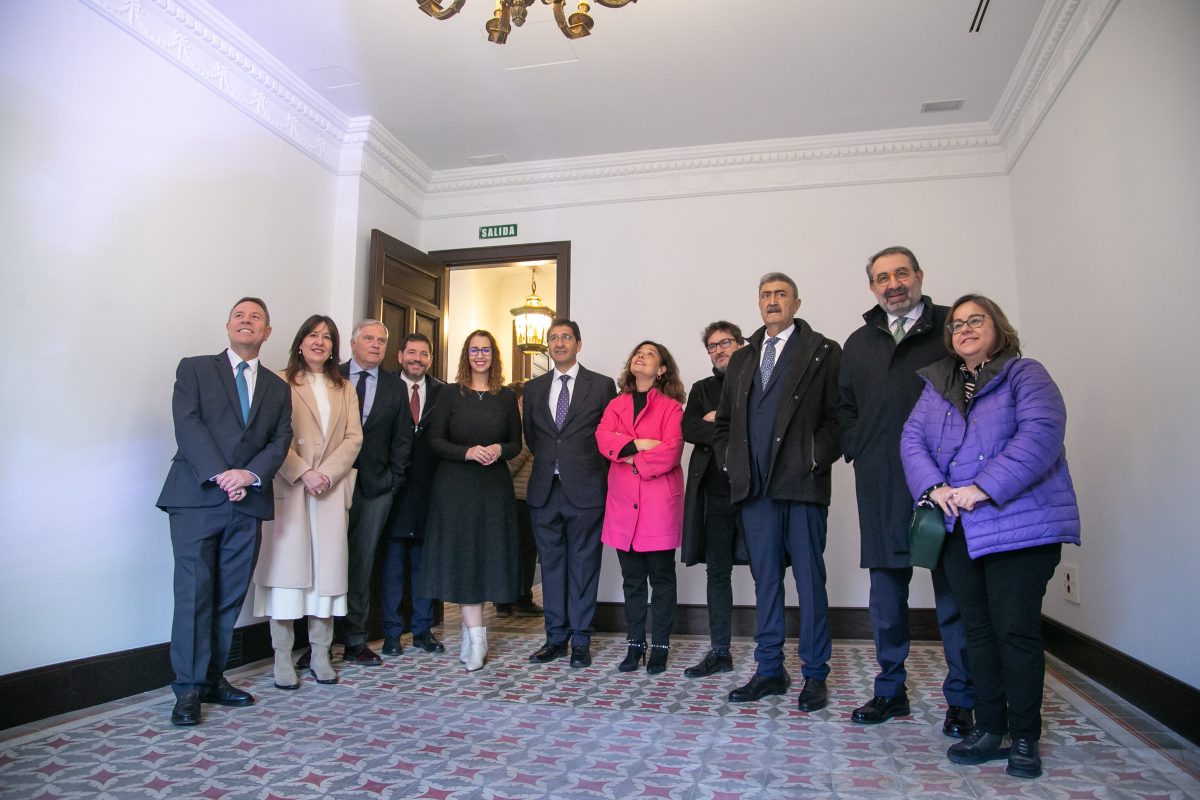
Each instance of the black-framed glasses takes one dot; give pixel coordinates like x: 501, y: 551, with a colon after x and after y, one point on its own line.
x: 974, y: 321
x: 479, y: 351
x: 723, y: 344
x: 883, y: 278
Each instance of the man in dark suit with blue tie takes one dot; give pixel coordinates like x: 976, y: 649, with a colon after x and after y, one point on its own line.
x: 233, y: 425
x: 777, y: 437
x: 381, y: 465
x: 406, y: 527
x: 567, y: 491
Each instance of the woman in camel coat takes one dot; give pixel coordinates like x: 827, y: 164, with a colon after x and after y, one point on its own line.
x: 303, y: 560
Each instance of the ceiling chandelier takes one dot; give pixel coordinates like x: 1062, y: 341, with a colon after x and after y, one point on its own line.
x: 513, y: 12
x: 531, y: 322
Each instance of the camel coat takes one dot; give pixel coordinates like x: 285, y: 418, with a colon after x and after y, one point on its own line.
x: 286, y: 556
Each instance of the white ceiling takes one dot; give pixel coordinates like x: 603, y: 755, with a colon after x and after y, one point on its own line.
x: 655, y: 74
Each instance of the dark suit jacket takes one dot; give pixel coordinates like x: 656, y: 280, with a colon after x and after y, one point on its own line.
x: 411, y: 509
x: 387, y: 437
x: 704, y: 476
x: 212, y: 438
x: 583, y: 470
x: 805, y: 437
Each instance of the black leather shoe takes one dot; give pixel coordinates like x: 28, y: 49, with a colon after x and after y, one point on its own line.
x: 813, y: 695
x: 1023, y: 759
x: 657, y: 662
x: 634, y: 653
x: 392, y: 646
x: 581, y: 656
x: 428, y: 642
x: 548, y: 652
x: 959, y: 722
x: 714, y: 661
x: 503, y: 609
x: 226, y: 695
x: 361, y: 655
x: 302, y: 661
x: 977, y: 748
x: 881, y: 709
x: 187, y: 709
x: 528, y: 608
x: 760, y: 686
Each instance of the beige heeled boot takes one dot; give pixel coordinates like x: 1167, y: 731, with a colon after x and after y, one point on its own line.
x: 320, y: 636
x: 283, y: 638
x: 478, y: 654
x: 466, y: 645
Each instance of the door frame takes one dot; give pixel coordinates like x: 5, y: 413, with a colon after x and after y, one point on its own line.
x: 498, y: 255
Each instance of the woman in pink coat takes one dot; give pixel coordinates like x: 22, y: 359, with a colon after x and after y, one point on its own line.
x: 643, y: 518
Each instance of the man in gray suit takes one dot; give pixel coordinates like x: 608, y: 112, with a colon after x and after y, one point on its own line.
x: 233, y: 425
x: 567, y: 491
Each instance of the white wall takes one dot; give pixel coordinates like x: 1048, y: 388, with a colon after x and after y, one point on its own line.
x: 137, y: 207
x: 664, y: 269
x: 1106, y: 206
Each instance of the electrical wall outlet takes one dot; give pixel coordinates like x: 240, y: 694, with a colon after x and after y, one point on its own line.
x: 1069, y: 577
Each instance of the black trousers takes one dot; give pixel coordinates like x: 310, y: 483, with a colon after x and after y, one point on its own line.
x: 1000, y: 598
x: 526, y: 554
x: 719, y: 527
x: 658, y: 567
x: 366, y: 521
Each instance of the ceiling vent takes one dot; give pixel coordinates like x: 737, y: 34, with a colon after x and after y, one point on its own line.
x: 941, y: 105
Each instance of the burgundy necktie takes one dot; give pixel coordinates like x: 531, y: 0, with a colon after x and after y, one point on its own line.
x: 414, y: 404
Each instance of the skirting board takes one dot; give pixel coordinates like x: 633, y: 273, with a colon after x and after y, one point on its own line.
x: 1169, y: 700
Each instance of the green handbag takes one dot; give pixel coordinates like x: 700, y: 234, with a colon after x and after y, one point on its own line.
x: 926, y: 534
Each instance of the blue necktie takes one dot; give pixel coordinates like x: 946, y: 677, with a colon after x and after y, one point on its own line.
x: 768, y: 362
x: 243, y: 390
x: 564, y: 402
x: 362, y: 393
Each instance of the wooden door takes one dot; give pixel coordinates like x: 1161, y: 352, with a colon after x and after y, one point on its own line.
x: 409, y: 292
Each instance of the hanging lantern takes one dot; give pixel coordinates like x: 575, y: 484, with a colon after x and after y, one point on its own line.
x: 531, y: 322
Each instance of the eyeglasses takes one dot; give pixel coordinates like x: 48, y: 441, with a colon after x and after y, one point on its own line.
x: 972, y: 322
x: 480, y: 351
x: 884, y: 278
x: 565, y: 338
x: 724, y: 344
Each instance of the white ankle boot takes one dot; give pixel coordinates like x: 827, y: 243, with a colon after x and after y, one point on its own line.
x: 466, y: 645
x: 478, y: 653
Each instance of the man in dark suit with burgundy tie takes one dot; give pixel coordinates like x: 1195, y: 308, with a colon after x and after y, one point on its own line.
x: 406, y: 527
x: 381, y: 465
x: 233, y: 425
x: 567, y: 491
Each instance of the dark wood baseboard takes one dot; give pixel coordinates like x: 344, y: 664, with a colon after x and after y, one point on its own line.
x: 1169, y: 700
x: 56, y: 689
x: 844, y: 623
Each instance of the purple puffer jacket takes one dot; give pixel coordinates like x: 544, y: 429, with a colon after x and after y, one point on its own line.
x: 1010, y: 445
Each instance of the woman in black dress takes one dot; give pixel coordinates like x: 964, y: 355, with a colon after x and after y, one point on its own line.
x: 471, y: 539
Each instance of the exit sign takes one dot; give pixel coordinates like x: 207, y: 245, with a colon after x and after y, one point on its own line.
x: 497, y: 231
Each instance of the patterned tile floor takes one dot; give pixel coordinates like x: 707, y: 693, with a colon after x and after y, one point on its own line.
x: 421, y: 727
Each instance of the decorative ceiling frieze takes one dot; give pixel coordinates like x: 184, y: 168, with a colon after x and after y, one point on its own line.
x: 198, y: 40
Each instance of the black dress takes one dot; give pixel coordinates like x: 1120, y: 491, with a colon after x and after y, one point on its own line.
x: 471, y: 538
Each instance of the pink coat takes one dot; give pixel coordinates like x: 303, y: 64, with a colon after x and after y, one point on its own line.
x: 644, y: 511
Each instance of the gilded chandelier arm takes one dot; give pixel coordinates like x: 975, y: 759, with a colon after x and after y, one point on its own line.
x: 434, y: 9
x: 577, y: 25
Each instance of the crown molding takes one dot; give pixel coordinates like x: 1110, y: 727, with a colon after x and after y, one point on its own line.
x: 1063, y: 35
x: 201, y: 42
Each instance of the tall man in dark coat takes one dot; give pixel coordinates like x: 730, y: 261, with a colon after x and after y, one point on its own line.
x: 233, y: 425
x: 712, y: 532
x: 777, y: 437
x: 567, y: 491
x: 879, y: 386
x: 406, y: 528
x: 381, y: 464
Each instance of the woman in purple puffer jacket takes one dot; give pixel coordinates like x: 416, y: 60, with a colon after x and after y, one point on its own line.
x: 985, y: 443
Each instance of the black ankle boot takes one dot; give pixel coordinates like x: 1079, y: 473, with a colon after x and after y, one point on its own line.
x: 658, y: 659
x: 1024, y: 761
x: 633, y: 656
